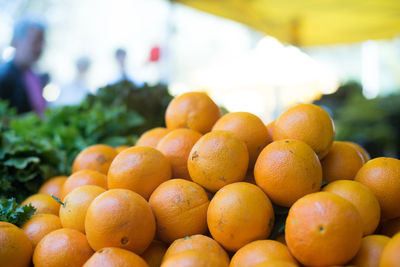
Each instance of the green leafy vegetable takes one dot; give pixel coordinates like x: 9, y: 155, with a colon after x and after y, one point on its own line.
x: 11, y: 212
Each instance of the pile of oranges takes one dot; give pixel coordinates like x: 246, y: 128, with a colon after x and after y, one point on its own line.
x: 205, y: 192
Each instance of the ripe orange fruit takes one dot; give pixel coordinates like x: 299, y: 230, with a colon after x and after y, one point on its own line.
x: 152, y: 137
x: 323, y: 229
x: 180, y: 208
x: 53, y: 186
x: 119, y: 149
x: 308, y: 123
x: 362, y: 198
x: 249, y: 128
x: 260, y: 251
x: 96, y: 157
x: 15, y: 246
x: 238, y: 214
x: 73, y: 212
x: 194, y: 258
x: 270, y: 129
x: 197, y: 242
x: 364, y: 153
x: 390, y: 227
x: 81, y: 178
x: 382, y: 177
x: 176, y: 148
x: 140, y: 169
x: 287, y: 170
x: 154, y: 253
x: 217, y: 159
x: 43, y: 203
x: 120, y: 218
x: 115, y: 257
x: 370, y: 251
x: 40, y: 225
x: 276, y: 263
x: 391, y: 253
x: 62, y: 247
x: 342, y: 162
x: 193, y: 110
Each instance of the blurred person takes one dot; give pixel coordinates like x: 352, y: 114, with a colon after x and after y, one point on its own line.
x: 120, y: 56
x: 74, y: 92
x: 19, y: 84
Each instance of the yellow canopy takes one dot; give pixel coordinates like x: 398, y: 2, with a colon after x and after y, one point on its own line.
x: 311, y: 22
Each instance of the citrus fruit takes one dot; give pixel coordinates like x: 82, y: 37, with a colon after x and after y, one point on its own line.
x: 53, y: 186
x: 287, y: 170
x: 115, y: 257
x: 370, y: 251
x: 73, y: 211
x: 193, y: 110
x: 362, y: 198
x: 270, y: 129
x: 119, y: 149
x: 81, y: 178
x: 391, y: 253
x: 382, y: 177
x: 152, y: 137
x: 154, y: 253
x: 275, y: 263
x: 323, y: 229
x: 43, y: 204
x: 62, y: 248
x: 238, y: 214
x: 217, y: 159
x: 260, y: 251
x: 249, y: 128
x: 342, y: 162
x: 140, y: 169
x: 40, y: 225
x: 120, y: 218
x: 15, y: 246
x: 180, y: 209
x: 176, y: 148
x: 197, y: 242
x: 364, y: 153
x: 308, y: 123
x: 194, y: 258
x: 390, y: 227
x: 96, y: 157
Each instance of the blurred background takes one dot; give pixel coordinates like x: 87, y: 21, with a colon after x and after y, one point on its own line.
x: 258, y: 56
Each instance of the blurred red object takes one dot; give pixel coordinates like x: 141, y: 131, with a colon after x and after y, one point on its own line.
x: 154, y: 54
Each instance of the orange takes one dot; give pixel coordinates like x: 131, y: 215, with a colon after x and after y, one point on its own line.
x: 194, y: 258
x: 270, y: 129
x: 217, y: 159
x: 62, y: 248
x: 176, y: 148
x: 275, y: 263
x: 120, y: 218
x: 73, y: 212
x: 249, y: 128
x: 140, y: 169
x: 180, y: 208
x: 342, y: 162
x: 81, y: 178
x: 382, y: 177
x: 193, y: 110
x: 287, y: 170
x: 391, y: 253
x: 96, y: 157
x: 152, y: 137
x: 364, y: 153
x: 238, y: 214
x: 40, y: 225
x: 121, y: 148
x: 260, y: 251
x: 154, y: 253
x: 197, y: 242
x: 43, y: 203
x: 308, y: 123
x: 15, y: 246
x: 370, y: 251
x: 362, y: 198
x: 115, y: 257
x: 53, y: 186
x: 323, y: 229
x: 390, y: 227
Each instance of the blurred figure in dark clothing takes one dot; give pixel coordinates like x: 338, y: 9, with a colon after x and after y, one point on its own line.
x: 18, y: 83
x: 120, y: 56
